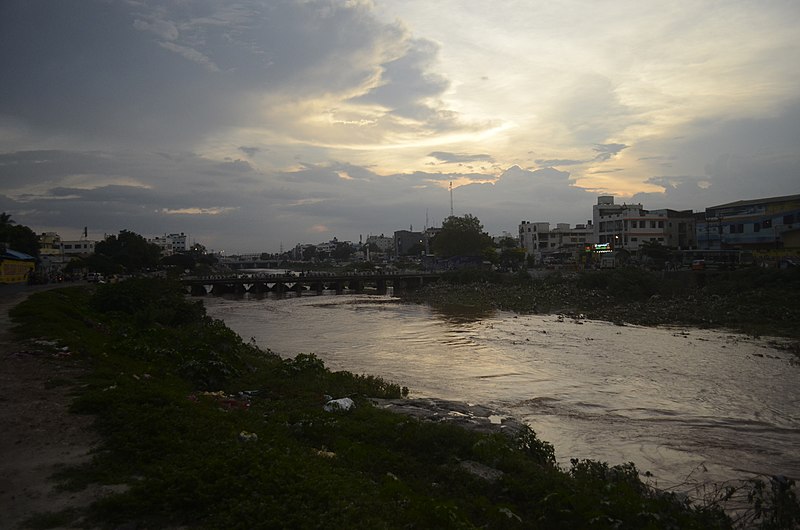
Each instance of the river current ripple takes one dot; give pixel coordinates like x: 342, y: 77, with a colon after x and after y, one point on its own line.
x: 680, y: 403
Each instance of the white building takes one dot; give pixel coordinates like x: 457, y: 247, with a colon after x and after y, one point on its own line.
x: 384, y: 243
x: 81, y: 247
x: 629, y: 225
x: 170, y: 244
x: 563, y: 241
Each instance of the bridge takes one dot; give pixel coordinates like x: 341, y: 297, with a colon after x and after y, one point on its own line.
x: 316, y: 282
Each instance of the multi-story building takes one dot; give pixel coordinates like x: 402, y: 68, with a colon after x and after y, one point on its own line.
x: 50, y: 244
x: 750, y: 224
x: 170, y: 244
x: 680, y: 230
x: 80, y: 247
x: 405, y: 240
x: 534, y: 237
x: 629, y: 225
x: 384, y: 243
x: 540, y: 241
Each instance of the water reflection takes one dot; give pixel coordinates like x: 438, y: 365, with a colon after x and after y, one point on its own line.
x: 461, y: 314
x: 670, y: 400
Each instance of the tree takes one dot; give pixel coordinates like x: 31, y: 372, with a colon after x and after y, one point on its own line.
x: 5, y: 219
x: 18, y: 237
x: 461, y: 236
x: 129, y: 250
x: 342, y: 251
x: 309, y: 253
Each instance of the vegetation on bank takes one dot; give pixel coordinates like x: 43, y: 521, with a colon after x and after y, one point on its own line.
x: 754, y: 300
x: 201, y: 429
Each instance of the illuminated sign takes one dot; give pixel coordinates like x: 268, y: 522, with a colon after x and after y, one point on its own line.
x: 602, y: 247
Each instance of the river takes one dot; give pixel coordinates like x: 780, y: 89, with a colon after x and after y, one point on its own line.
x: 687, y: 405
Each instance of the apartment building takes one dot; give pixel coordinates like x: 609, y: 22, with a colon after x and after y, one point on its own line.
x: 628, y: 226
x: 768, y: 223
x: 540, y: 241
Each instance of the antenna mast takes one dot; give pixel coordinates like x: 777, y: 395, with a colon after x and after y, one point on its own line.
x: 451, y: 198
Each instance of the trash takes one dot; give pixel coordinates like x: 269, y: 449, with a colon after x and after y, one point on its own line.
x: 246, y: 436
x: 339, y: 404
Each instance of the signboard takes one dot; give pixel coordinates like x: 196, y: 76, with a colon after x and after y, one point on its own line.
x: 602, y: 247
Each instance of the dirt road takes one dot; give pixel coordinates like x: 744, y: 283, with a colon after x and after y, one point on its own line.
x: 38, y: 435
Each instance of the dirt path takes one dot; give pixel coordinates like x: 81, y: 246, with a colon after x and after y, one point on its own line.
x: 38, y: 436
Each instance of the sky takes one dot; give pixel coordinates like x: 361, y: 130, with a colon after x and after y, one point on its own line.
x: 253, y: 126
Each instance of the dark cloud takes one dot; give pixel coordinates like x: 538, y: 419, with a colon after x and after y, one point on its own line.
x: 460, y: 157
x: 407, y: 83
x: 250, y: 151
x: 607, y: 151
x: 171, y: 73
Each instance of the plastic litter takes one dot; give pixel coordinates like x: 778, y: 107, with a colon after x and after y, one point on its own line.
x: 335, y: 405
x: 246, y: 436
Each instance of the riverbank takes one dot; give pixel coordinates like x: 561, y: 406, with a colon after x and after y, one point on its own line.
x: 199, y: 429
x: 752, y: 301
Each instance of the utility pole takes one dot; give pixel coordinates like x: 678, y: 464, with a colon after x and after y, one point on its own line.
x: 451, y: 198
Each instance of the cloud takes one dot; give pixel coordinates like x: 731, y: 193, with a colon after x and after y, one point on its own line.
x: 559, y: 162
x: 247, y: 122
x: 198, y: 211
x: 607, y: 151
x: 407, y: 82
x: 176, y: 73
x: 460, y: 157
x: 250, y: 151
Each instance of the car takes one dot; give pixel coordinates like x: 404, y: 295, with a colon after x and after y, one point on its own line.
x: 699, y: 265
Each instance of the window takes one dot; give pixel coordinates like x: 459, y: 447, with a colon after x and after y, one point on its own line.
x: 661, y: 224
x: 634, y: 239
x: 767, y: 223
x: 633, y: 224
x: 756, y: 227
x: 652, y: 224
x: 788, y: 219
x: 67, y: 247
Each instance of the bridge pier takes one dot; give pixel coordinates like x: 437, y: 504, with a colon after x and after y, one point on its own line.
x: 281, y: 284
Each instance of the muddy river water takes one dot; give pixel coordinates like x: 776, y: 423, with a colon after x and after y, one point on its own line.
x: 678, y: 402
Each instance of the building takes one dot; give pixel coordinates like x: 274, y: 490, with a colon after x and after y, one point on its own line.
x: 534, y: 238
x: 50, y: 244
x: 170, y: 243
x: 562, y: 242
x: 385, y: 244
x: 15, y: 267
x: 405, y: 240
x: 764, y: 224
x: 680, y: 230
x: 77, y: 248
x: 628, y: 226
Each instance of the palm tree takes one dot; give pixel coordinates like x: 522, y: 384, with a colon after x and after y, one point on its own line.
x: 5, y: 219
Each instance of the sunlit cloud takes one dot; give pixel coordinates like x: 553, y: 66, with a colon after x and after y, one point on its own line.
x: 253, y: 124
x: 199, y: 211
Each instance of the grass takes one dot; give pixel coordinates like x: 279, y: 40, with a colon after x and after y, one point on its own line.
x: 207, y: 431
